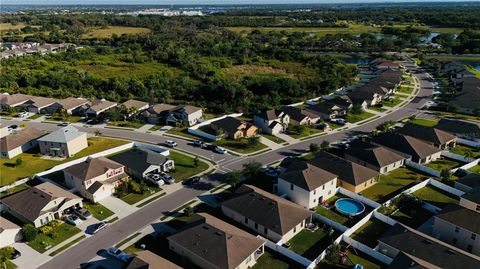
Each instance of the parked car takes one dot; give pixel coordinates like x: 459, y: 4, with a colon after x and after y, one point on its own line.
x: 209, y: 146
x: 65, y: 123
x: 23, y: 114
x: 100, y: 226
x: 220, y: 150
x: 118, y: 254
x: 16, y: 254
x: 155, y: 179
x: 73, y: 219
x: 339, y: 121
x: 83, y: 213
x: 13, y: 127
x: 167, y: 178
x: 170, y: 143
x: 198, y: 143
x: 271, y: 171
x: 192, y: 180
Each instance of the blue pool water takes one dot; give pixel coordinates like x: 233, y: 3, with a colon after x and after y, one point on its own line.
x: 349, y: 206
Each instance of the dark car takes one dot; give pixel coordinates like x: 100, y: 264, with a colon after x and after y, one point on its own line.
x: 209, y: 146
x: 100, y: 226
x: 16, y: 254
x: 192, y: 180
x: 198, y: 143
x: 83, y: 213
x: 13, y: 127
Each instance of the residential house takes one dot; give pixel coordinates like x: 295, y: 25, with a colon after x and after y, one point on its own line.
x: 269, y: 215
x: 146, y: 259
x: 95, y: 178
x: 466, y: 99
x: 400, y: 238
x: 19, y: 141
x: 364, y: 98
x: 383, y: 64
x: 98, y: 108
x: 185, y: 115
x: 271, y: 121
x: 430, y: 135
x: 234, y: 128
x: 40, y: 204
x: 460, y: 128
x: 133, y: 106
x: 9, y: 232
x: 157, y: 114
x: 64, y: 142
x: 374, y: 157
x: 468, y: 182
x: 37, y: 104
x: 71, y: 105
x: 8, y: 101
x: 305, y: 184
x: 212, y: 244
x: 4, y: 130
x: 351, y: 176
x: 139, y: 162
x: 300, y: 116
x: 343, y: 101
x: 419, y: 151
x: 471, y: 199
x: 458, y: 226
x: 327, y: 111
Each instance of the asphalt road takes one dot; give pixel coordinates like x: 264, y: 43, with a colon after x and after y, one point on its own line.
x: 87, y: 249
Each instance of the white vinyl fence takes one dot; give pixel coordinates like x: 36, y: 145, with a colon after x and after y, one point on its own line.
x: 423, y: 168
x: 286, y: 252
x: 367, y: 250
x: 470, y: 143
x: 329, y: 222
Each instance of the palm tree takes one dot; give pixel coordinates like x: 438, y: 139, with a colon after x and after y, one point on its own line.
x: 233, y: 178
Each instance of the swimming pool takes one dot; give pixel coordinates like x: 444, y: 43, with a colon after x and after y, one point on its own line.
x: 349, y: 207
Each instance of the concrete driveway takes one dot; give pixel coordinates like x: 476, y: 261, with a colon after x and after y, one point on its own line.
x: 30, y: 258
x: 117, y: 206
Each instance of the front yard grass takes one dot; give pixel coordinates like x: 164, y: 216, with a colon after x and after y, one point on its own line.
x: 98, y: 211
x: 444, y: 163
x: 185, y: 166
x: 392, y: 184
x: 393, y: 101
x: 406, y: 89
x: 35, y: 116
x: 310, y: 244
x: 424, y: 122
x: 377, y: 108
x: 33, y: 163
x: 126, y: 124
x: 44, y: 242
x: 435, y: 196
x: 155, y: 128
x: 475, y: 169
x: 241, y: 146
x: 369, y: 233
x: 273, y: 138
x: 70, y: 118
x: 352, y: 118
x: 132, y: 198
x: 304, y: 131
x: 465, y: 150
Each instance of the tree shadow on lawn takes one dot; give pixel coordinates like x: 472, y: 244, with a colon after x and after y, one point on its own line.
x: 315, y: 250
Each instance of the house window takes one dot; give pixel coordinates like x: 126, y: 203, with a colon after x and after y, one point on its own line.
x: 473, y: 237
x: 331, y: 183
x: 314, y: 191
x: 469, y: 248
x: 256, y: 225
x: 329, y: 192
x: 314, y: 200
x: 323, y: 187
x: 454, y: 241
x: 265, y: 230
x: 457, y: 230
x: 246, y: 220
x: 365, y: 184
x: 291, y: 187
x: 295, y: 229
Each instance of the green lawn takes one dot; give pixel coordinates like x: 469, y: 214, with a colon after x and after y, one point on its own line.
x: 352, y: 118
x: 435, y: 196
x: 13, y: 190
x: 462, y: 150
x: 44, y: 242
x: 69, y: 118
x: 369, y: 233
x: 155, y: 128
x: 392, y: 184
x: 33, y: 163
x: 273, y: 138
x: 35, y: 116
x: 273, y: 260
x: 8, y: 265
x: 98, y: 210
x: 306, y: 131
x: 311, y: 244
x: 133, y: 198
x: 412, y: 216
x: 182, y: 132
x: 126, y: 124
x: 405, y: 89
x: 392, y: 102
x: 354, y: 257
x: 475, y: 169
x: 241, y: 146
x: 424, y: 122
x: 331, y: 213
x: 377, y: 108
x: 442, y: 164
x: 184, y: 166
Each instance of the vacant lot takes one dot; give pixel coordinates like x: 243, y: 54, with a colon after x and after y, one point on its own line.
x: 118, y: 30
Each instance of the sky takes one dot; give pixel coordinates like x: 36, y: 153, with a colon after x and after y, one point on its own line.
x: 200, y: 2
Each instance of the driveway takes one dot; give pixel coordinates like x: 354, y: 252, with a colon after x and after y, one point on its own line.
x: 30, y: 258
x: 119, y: 207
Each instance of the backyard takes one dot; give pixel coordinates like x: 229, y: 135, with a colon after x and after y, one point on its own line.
x: 273, y: 260
x: 444, y: 164
x: 392, y: 184
x: 32, y: 162
x: 412, y: 216
x: 352, y: 118
x: 185, y: 166
x: 465, y: 151
x: 369, y: 233
x: 310, y: 244
x: 353, y: 257
x: 435, y: 196
x: 475, y: 169
x: 43, y: 242
x: 241, y: 145
x: 331, y: 213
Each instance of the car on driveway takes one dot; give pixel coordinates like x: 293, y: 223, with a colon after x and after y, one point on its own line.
x: 271, y: 171
x: 167, y: 178
x: 170, y: 143
x: 12, y: 127
x: 16, y: 254
x: 155, y: 179
x: 118, y: 254
x: 73, y: 219
x: 83, y: 213
x: 100, y: 226
x: 339, y: 121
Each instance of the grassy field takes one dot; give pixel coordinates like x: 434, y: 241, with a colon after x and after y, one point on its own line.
x: 9, y: 26
x: 62, y: 233
x: 98, y: 210
x: 184, y: 166
x: 118, y: 30
x: 435, y: 196
x: 240, y: 146
x: 369, y: 233
x: 352, y: 118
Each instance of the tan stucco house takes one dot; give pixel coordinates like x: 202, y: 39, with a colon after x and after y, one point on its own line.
x: 64, y: 142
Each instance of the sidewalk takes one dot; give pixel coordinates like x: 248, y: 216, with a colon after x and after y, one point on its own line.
x: 269, y: 143
x: 289, y: 139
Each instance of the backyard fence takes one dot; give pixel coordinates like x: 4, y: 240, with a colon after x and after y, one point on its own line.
x: 384, y: 218
x: 358, y: 197
x: 457, y: 157
x: 14, y: 184
x: 286, y: 252
x: 422, y: 168
x: 466, y: 142
x: 330, y: 222
x: 469, y: 165
x: 367, y: 250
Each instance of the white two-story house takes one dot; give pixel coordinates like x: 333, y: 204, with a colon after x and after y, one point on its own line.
x: 271, y: 121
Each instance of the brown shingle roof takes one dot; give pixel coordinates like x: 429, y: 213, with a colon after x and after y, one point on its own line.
x: 406, y: 144
x: 5, y: 224
x: 221, y: 244
x: 470, y: 180
x: 306, y: 176
x: 430, y: 134
x: 19, y: 138
x: 228, y: 124
x: 461, y: 216
x: 92, y: 167
x: 148, y: 260
x: 12, y: 99
x: 100, y: 105
x: 134, y: 103
x: 40, y: 102
x: 72, y: 102
x: 269, y: 115
x: 30, y: 203
x: 375, y: 155
x: 159, y: 108
x: 266, y: 209
x: 188, y: 109
x: 467, y: 128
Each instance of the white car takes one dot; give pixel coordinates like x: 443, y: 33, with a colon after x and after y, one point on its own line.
x: 74, y: 220
x: 220, y: 150
x: 170, y: 143
x: 23, y: 114
x: 155, y: 179
x: 167, y: 178
x: 118, y: 254
x: 339, y: 121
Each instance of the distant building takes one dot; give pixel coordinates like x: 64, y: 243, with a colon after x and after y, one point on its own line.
x: 234, y: 128
x: 19, y: 142
x: 271, y: 121
x: 99, y: 107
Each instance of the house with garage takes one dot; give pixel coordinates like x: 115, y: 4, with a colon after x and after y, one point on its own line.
x: 71, y: 105
x: 430, y: 135
x: 64, y: 142
x: 300, y: 116
x: 351, y: 176
x: 185, y: 115
x: 421, y: 247
x: 420, y: 151
x: 375, y: 157
x: 139, y: 162
x: 305, y: 184
x: 458, y: 226
x: 98, y: 108
x: 327, y: 111
x: 157, y: 113
x: 8, y: 101
x: 471, y: 199
x: 364, y: 98
x: 342, y: 101
x: 95, y: 178
x: 19, y: 141
x: 234, y: 128
x: 462, y: 129
x: 9, y: 232
x: 271, y: 121
x: 37, y: 104
x: 40, y: 204
x: 134, y: 106
x: 266, y: 214
x: 211, y: 243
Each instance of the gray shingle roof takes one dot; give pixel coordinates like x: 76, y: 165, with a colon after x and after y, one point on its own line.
x: 461, y: 216
x: 375, y: 155
x: 306, y: 176
x: 139, y: 159
x: 62, y: 135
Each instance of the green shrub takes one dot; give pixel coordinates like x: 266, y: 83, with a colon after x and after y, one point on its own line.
x: 6, y: 253
x: 29, y: 232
